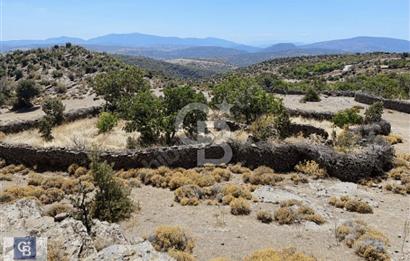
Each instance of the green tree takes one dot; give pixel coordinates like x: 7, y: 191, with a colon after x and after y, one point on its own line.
x: 112, y: 202
x: 116, y: 85
x: 310, y: 96
x: 54, y: 110
x: 176, y: 98
x: 144, y: 114
x: 248, y: 98
x: 25, y: 92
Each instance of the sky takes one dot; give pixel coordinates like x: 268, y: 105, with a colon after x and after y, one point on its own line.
x: 246, y: 21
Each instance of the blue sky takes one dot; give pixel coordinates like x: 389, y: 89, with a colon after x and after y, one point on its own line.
x: 245, y: 21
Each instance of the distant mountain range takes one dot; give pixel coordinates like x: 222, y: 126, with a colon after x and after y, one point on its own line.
x: 167, y: 48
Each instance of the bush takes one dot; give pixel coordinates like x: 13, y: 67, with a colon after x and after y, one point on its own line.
x: 310, y: 96
x: 352, y: 205
x: 268, y: 254
x: 264, y: 216
x: 367, y: 242
x: 347, y: 117
x: 45, y: 128
x: 111, y: 200
x: 106, y: 122
x: 168, y: 238
x: 374, y: 113
x: 240, y: 206
x: 271, y: 126
x: 25, y: 92
x: 311, y: 168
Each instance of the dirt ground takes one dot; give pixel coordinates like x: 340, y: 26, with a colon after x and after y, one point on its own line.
x: 218, y: 233
x: 7, y: 116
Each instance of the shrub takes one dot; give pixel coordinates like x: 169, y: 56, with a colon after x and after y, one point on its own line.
x: 106, y: 122
x: 271, y: 126
x: 180, y: 255
x: 351, y: 204
x: 240, y: 206
x: 58, y: 208
x: 311, y: 168
x: 45, y: 128
x: 393, y: 139
x: 310, y: 96
x: 347, y: 117
x: 292, y: 211
x: 264, y: 216
x: 367, y: 242
x: 374, y: 112
x: 346, y: 141
x: 168, y: 238
x: 111, y: 200
x: 269, y: 254
x: 188, y: 195
x: 285, y: 215
x: 25, y: 92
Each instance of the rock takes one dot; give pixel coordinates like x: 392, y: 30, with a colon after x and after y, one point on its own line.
x: 13, y: 215
x: 270, y: 194
x: 143, y: 251
x: 105, y: 234
x: 60, y: 217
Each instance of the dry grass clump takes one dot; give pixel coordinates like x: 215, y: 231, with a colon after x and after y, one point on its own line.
x: 238, y: 169
x: 311, y: 168
x: 192, y: 194
x: 294, y: 211
x: 269, y: 254
x: 17, y: 192
x: 180, y: 255
x: 165, y: 177
x: 58, y: 208
x: 367, y: 242
x: 6, y: 177
x: 398, y: 189
x: 264, y: 216
x: 393, y: 139
x: 262, y: 176
x: 188, y: 195
x: 240, y: 206
x: 351, y: 204
x: 401, y: 174
x: 220, y: 259
x: 13, y: 169
x: 168, y: 238
x: 298, y: 179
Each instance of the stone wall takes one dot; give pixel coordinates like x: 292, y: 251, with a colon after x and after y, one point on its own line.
x: 371, y: 161
x: 396, y: 105
x: 18, y: 126
x: 326, y: 115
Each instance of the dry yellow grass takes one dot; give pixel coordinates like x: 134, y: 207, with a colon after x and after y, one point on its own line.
x: 367, y: 242
x: 311, y: 168
x: 294, y: 211
x: 269, y: 254
x: 240, y: 206
x: 393, y: 139
x: 168, y: 238
x: 77, y: 134
x: 351, y: 204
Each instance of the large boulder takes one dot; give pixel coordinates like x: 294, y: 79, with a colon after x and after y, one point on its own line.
x: 105, y: 234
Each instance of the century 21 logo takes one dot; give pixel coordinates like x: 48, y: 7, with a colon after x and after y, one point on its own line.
x: 24, y: 247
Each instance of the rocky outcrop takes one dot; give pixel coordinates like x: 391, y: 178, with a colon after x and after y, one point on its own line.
x: 377, y: 128
x: 69, y: 238
x: 143, y: 251
x: 307, y: 130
